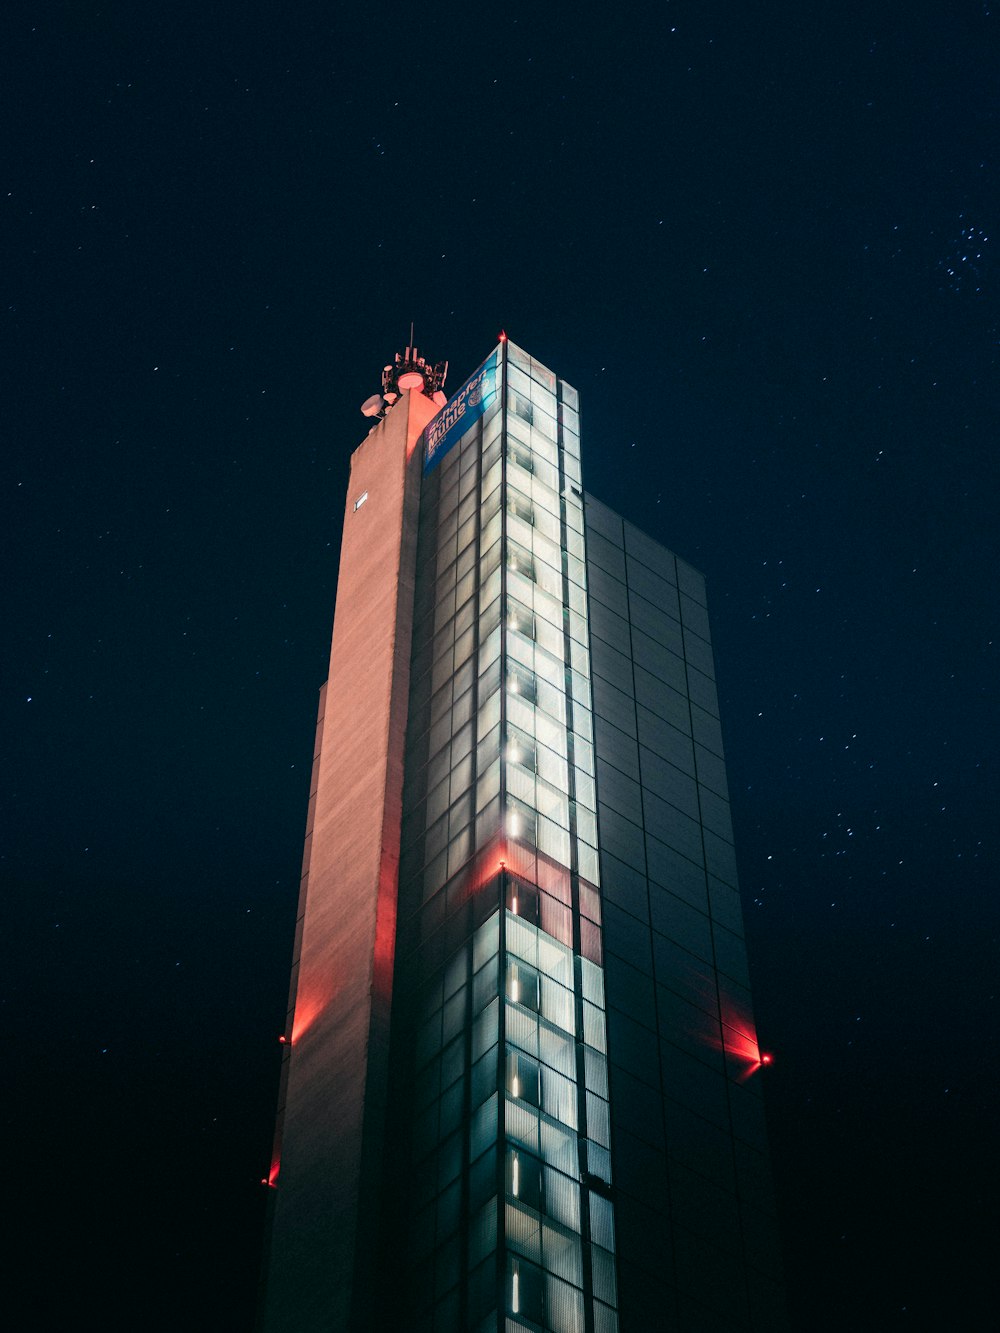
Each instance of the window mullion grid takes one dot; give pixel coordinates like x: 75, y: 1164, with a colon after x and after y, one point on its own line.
x: 501, y: 1142
x: 581, y: 1073
x: 464, y: 1232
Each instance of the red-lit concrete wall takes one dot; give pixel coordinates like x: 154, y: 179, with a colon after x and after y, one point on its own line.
x: 327, y: 1180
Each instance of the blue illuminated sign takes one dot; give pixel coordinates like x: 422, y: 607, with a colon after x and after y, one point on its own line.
x: 473, y: 398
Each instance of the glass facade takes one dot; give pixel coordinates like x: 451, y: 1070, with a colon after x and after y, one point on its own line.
x: 698, y: 1236
x: 501, y: 1208
x: 560, y: 1037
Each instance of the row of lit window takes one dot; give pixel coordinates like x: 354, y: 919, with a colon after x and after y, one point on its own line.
x: 535, y: 1301
x: 542, y: 1086
x: 547, y: 1302
x: 532, y: 661
x: 546, y: 715
x: 456, y: 501
x: 526, y: 943
x: 534, y: 698
x: 546, y: 627
x: 531, y: 444
x: 533, y: 611
x: 541, y: 551
x: 538, y: 1295
x: 542, y: 1220
x: 450, y: 747
x: 549, y: 910
x: 534, y: 769
x: 543, y: 510
x: 543, y: 1161
x: 529, y: 594
x: 452, y: 657
x: 542, y: 393
x: 535, y: 586
x: 524, y: 824
x: 520, y: 406
x: 439, y: 653
x: 538, y: 675
x: 544, y: 499
x: 446, y: 507
x: 545, y: 1180
x: 533, y: 464
x: 527, y: 424
x: 517, y: 358
x: 558, y: 1200
x: 457, y: 583
x: 528, y: 461
x: 540, y: 1065
x: 520, y: 363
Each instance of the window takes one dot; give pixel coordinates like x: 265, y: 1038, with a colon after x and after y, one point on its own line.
x: 522, y: 682
x: 520, y: 619
x: 524, y: 1178
x: 520, y: 560
x: 523, y: 985
x: 521, y: 821
x: 520, y: 507
x: 523, y: 1078
x: 520, y: 454
x: 527, y: 1291
x: 521, y: 749
x: 360, y: 501
x: 520, y: 405
x: 522, y: 899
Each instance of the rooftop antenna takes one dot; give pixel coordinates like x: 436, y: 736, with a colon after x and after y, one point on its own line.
x: 408, y: 372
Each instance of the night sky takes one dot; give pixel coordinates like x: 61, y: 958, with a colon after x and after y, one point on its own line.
x: 760, y: 241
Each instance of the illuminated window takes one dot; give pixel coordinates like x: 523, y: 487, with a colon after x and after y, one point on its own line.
x: 522, y: 682
x: 522, y: 900
x: 360, y: 501
x: 524, y: 1178
x: 527, y: 1291
x: 520, y: 454
x: 520, y: 560
x: 520, y: 507
x: 523, y: 1078
x: 522, y: 821
x: 520, y: 405
x: 521, y: 749
x: 519, y: 618
x: 523, y: 985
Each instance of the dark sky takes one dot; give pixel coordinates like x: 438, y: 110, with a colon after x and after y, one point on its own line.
x: 759, y: 239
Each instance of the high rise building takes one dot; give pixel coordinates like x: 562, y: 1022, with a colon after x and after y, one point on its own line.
x: 520, y: 1085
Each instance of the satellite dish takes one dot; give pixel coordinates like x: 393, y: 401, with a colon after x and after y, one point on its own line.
x: 372, y: 406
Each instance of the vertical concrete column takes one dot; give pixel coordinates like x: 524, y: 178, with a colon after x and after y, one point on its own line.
x: 328, y: 1181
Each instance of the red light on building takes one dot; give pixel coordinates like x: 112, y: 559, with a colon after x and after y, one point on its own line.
x: 307, y: 1009
x: 766, y: 1059
x: 490, y: 863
